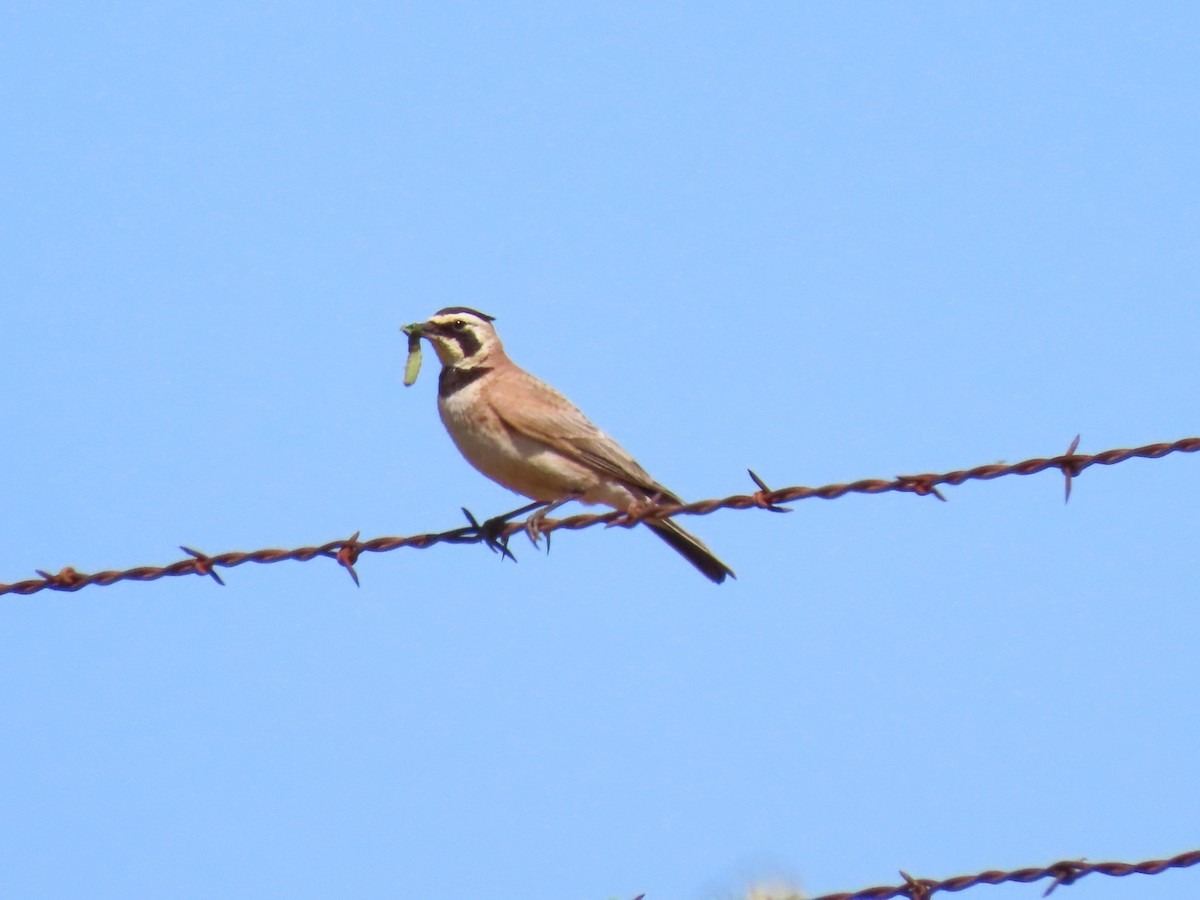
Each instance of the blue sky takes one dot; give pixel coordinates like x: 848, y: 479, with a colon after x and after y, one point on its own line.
x: 824, y: 241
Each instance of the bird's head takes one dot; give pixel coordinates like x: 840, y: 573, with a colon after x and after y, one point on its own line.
x: 461, y: 337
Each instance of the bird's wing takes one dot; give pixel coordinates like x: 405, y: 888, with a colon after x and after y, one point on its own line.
x: 534, y: 409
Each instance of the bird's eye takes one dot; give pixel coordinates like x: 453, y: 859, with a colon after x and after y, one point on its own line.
x: 460, y: 325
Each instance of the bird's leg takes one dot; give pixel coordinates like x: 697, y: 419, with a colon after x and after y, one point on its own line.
x: 492, y: 530
x: 639, y: 506
x: 533, y: 525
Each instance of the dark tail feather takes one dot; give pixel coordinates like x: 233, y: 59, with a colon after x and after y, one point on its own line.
x: 691, y: 549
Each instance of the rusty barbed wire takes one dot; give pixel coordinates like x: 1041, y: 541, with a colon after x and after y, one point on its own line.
x: 495, y: 532
x: 1064, y: 872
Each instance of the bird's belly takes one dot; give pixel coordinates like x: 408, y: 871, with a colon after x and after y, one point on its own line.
x: 518, y: 463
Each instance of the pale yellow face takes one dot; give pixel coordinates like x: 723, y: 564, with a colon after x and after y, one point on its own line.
x: 461, y: 337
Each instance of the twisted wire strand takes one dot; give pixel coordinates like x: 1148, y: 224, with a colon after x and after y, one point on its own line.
x: 1064, y: 872
x: 346, y: 552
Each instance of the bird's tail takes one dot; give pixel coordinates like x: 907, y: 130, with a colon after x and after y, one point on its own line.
x: 690, y: 548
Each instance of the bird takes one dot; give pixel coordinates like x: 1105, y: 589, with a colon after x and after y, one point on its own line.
x: 526, y: 436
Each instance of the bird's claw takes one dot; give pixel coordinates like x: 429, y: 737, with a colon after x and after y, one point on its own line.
x: 535, y: 523
x: 493, y: 532
x: 533, y: 528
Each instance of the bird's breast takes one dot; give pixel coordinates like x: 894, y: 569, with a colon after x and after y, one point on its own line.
x: 513, y: 460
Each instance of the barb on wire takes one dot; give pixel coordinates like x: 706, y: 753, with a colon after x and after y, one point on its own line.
x: 1070, y: 468
x: 495, y: 532
x: 1064, y: 872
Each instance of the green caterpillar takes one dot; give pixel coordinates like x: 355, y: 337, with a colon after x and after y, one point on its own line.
x: 413, y: 365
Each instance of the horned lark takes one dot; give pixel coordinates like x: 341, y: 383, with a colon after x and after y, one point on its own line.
x: 526, y: 436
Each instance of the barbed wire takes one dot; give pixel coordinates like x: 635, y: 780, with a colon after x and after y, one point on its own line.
x: 495, y: 532
x: 1064, y: 872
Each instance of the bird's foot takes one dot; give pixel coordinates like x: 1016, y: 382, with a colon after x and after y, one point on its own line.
x: 533, y: 525
x: 494, y: 531
x: 636, y: 509
x: 533, y: 528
